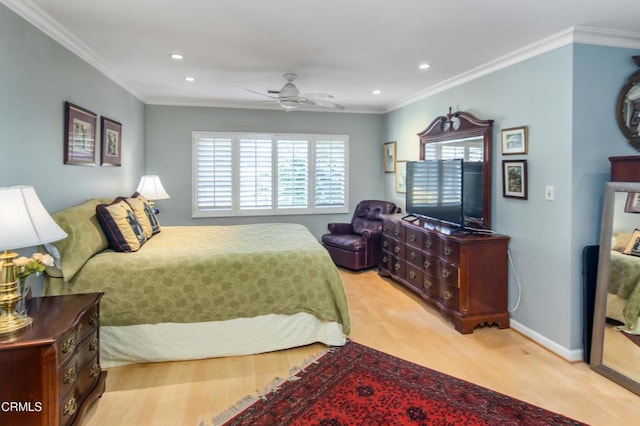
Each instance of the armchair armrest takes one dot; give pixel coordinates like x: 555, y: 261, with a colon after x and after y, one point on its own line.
x: 372, y: 233
x: 340, y: 228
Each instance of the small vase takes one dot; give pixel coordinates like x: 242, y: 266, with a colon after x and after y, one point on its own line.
x: 24, y: 289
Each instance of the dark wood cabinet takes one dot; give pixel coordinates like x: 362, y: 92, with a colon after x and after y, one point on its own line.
x: 50, y: 374
x: 625, y: 169
x: 465, y: 275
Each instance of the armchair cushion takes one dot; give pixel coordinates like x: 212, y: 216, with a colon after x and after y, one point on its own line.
x: 340, y: 228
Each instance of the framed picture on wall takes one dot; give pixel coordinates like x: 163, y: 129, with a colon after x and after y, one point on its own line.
x: 633, y: 203
x: 514, y: 179
x: 514, y: 140
x: 111, y: 135
x: 79, y: 135
x: 401, y: 176
x: 389, y: 155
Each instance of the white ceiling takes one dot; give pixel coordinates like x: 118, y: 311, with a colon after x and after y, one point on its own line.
x: 347, y: 48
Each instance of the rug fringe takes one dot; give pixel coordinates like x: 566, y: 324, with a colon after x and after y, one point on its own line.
x: 274, y: 387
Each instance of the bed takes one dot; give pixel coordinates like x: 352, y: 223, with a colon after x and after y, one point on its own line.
x: 623, y: 298
x: 193, y: 292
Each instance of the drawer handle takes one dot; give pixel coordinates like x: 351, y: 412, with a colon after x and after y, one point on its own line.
x: 428, y: 284
x: 412, y: 237
x: 70, y: 407
x: 448, y: 295
x: 427, y: 264
x: 446, y: 273
x: 70, y: 376
x: 385, y: 259
x: 95, y: 371
x: 385, y: 244
x: 95, y: 317
x: 396, y: 232
x: 448, y: 251
x: 412, y: 275
x: 69, y: 345
x: 93, y: 345
x: 428, y: 244
x: 396, y: 266
x: 412, y: 255
x: 80, y: 327
x: 396, y: 249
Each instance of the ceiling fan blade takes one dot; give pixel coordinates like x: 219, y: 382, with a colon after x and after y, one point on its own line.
x: 261, y: 94
x: 317, y: 95
x: 327, y: 104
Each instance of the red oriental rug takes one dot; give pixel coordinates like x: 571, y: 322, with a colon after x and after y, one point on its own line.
x: 357, y: 385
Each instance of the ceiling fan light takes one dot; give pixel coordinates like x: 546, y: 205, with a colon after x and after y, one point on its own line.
x: 289, y: 104
x: 289, y: 90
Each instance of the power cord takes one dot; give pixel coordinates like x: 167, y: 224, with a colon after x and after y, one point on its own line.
x: 515, y: 273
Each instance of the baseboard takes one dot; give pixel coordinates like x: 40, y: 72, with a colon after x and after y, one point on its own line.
x: 571, y: 355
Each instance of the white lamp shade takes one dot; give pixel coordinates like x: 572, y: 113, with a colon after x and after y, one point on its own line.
x: 24, y: 222
x: 151, y: 187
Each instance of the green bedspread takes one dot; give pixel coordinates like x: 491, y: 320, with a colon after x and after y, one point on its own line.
x: 624, y: 281
x: 213, y: 273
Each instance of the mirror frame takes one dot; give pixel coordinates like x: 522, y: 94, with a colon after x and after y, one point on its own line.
x: 459, y: 125
x: 604, y: 267
x: 633, y: 138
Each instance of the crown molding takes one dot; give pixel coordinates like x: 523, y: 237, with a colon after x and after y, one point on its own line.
x: 582, y: 35
x: 45, y: 23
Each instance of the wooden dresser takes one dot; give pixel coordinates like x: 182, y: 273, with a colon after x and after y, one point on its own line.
x: 625, y: 169
x: 465, y: 275
x: 50, y: 374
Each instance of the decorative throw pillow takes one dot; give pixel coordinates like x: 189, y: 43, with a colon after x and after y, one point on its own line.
x: 153, y: 219
x: 120, y: 226
x: 139, y: 209
x: 633, y: 248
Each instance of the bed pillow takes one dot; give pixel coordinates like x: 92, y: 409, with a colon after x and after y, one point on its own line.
x: 139, y: 209
x: 153, y: 219
x: 620, y: 241
x: 633, y: 248
x: 119, y: 224
x: 84, y: 237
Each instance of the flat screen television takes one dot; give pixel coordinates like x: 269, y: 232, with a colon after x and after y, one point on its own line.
x: 435, y: 189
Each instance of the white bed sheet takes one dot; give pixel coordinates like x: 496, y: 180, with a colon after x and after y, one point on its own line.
x: 242, y: 336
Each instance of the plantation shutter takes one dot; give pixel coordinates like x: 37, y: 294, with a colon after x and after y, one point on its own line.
x: 213, y: 174
x: 330, y: 173
x: 293, y: 174
x: 255, y: 178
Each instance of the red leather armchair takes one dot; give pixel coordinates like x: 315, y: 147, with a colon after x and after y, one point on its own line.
x: 358, y: 245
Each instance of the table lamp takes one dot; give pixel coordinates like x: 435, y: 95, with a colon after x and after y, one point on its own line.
x: 152, y: 189
x: 24, y: 222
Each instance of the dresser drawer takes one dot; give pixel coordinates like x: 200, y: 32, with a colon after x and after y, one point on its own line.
x: 69, y: 405
x: 89, y: 322
x: 430, y: 286
x: 393, y: 229
x: 413, y: 255
x: 449, y: 274
x: 450, y: 251
x: 413, y: 274
x: 430, y: 265
x: 413, y: 236
x: 431, y: 244
x: 450, y: 296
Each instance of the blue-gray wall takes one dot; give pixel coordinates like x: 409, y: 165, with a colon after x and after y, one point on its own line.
x: 567, y: 99
x: 169, y: 154
x: 37, y: 75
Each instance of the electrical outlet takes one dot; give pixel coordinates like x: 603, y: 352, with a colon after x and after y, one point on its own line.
x: 550, y: 193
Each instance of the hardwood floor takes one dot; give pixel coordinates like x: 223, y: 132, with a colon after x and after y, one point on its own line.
x: 385, y: 317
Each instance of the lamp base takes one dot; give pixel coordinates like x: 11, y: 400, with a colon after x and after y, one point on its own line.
x: 13, y: 323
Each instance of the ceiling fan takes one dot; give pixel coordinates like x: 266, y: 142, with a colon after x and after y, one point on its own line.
x: 289, y: 97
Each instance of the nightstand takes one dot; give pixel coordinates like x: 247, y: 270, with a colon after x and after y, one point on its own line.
x: 50, y: 374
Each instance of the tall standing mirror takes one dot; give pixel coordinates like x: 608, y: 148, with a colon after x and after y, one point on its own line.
x: 615, y: 351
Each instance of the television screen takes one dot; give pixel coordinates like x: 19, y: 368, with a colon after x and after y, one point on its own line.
x: 435, y: 190
x: 473, y: 182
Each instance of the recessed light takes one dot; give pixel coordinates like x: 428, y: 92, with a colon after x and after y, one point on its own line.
x: 424, y: 66
x: 189, y: 79
x: 176, y: 56
x: 376, y: 92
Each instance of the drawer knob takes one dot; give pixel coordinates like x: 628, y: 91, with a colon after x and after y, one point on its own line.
x: 396, y: 232
x: 70, y: 407
x: 428, y: 244
x: 428, y: 284
x: 93, y: 345
x: 427, y: 264
x: 446, y: 273
x: 385, y: 259
x: 412, y: 237
x: 396, y: 249
x: 385, y: 244
x: 69, y: 345
x: 448, y: 251
x: 412, y: 255
x: 396, y: 266
x: 95, y: 317
x: 95, y: 371
x: 448, y: 295
x: 69, y: 376
x: 412, y: 275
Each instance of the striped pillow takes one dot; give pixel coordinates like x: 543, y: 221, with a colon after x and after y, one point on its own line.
x: 153, y: 219
x: 120, y: 226
x: 139, y: 209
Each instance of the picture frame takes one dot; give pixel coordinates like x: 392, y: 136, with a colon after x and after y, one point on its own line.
x: 389, y: 157
x: 633, y: 203
x: 515, y: 140
x: 401, y: 176
x: 80, y: 127
x: 111, y: 137
x: 514, y: 179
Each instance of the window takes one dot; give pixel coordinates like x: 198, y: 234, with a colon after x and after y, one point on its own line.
x: 242, y: 174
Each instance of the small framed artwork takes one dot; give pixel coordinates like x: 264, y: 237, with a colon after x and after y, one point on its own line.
x: 401, y: 176
x: 389, y: 157
x: 633, y: 203
x: 514, y: 140
x: 111, y: 135
x: 514, y: 179
x: 79, y: 135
